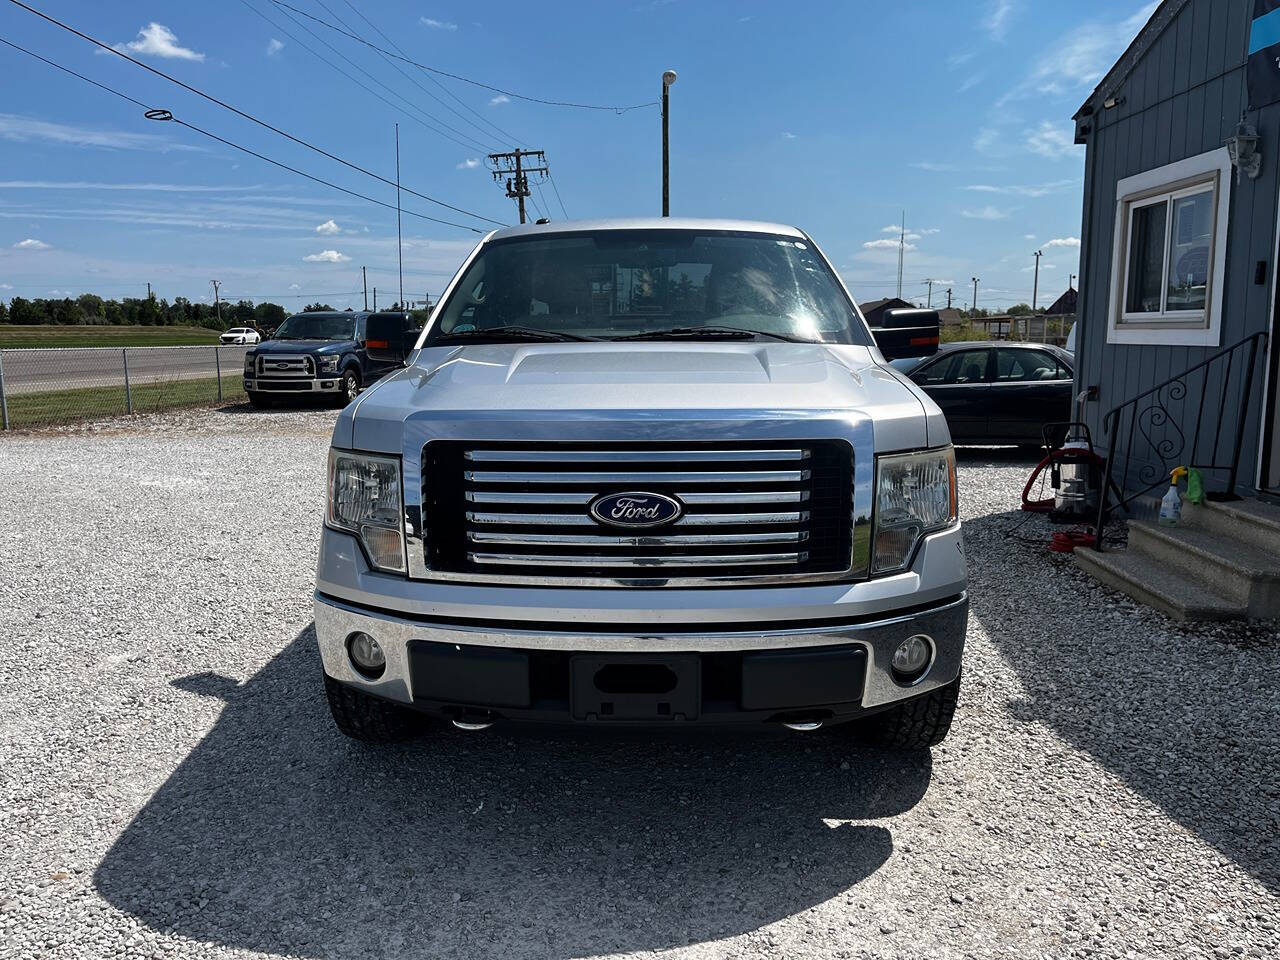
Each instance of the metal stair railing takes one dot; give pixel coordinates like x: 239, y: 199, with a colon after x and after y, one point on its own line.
x: 1157, y: 421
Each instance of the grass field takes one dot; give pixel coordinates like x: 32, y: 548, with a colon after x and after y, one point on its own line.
x: 16, y: 337
x: 65, y: 406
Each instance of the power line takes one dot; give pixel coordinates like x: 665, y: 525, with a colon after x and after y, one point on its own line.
x: 247, y: 116
x: 552, y: 181
x: 506, y: 137
x: 467, y: 144
x: 165, y: 115
x: 462, y: 79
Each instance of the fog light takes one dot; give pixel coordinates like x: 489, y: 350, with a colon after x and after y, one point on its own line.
x: 912, y: 659
x: 366, y: 655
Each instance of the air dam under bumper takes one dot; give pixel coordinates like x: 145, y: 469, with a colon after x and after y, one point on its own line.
x: 822, y: 672
x: 293, y: 384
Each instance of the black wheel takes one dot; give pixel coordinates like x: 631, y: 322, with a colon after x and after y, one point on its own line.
x: 916, y: 724
x: 368, y: 719
x: 258, y: 400
x: 350, y: 386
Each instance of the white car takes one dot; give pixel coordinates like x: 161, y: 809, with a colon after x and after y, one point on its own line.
x: 240, y: 335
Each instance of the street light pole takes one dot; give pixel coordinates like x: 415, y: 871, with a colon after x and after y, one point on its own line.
x: 668, y: 78
x: 1035, y: 290
x: 976, y: 281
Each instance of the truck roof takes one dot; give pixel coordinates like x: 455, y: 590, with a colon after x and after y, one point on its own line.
x: 646, y: 223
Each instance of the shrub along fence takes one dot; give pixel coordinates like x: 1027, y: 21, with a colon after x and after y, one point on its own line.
x: 41, y: 387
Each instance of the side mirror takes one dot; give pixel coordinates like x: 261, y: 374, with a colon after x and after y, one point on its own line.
x: 386, y: 337
x: 908, y: 333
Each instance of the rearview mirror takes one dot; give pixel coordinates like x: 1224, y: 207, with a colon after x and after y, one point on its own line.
x: 908, y: 333
x: 389, y: 337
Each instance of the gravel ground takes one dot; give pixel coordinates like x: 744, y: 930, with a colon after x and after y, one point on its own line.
x: 170, y: 784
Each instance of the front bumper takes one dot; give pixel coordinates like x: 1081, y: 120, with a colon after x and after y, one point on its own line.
x: 828, y: 672
x: 293, y: 384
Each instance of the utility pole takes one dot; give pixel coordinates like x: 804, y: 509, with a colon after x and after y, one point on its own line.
x: 976, y: 281
x: 902, y: 247
x: 1035, y: 290
x: 364, y: 278
x: 375, y: 299
x: 511, y: 165
x: 217, y: 303
x: 399, y: 239
x: 948, y: 298
x: 668, y: 78
x: 148, y: 290
x: 930, y: 282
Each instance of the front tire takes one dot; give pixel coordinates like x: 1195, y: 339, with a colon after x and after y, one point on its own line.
x: 369, y: 719
x: 916, y: 724
x: 350, y: 386
x: 258, y: 401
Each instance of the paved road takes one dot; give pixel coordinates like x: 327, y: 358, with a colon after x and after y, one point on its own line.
x: 68, y: 368
x: 171, y: 785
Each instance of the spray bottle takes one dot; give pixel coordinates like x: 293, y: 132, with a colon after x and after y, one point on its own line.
x: 1171, y: 505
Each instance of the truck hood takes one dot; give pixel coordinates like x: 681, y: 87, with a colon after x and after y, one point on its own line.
x: 291, y: 347
x: 620, y: 381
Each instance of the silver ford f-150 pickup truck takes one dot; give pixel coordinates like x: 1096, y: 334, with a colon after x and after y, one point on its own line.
x: 651, y: 471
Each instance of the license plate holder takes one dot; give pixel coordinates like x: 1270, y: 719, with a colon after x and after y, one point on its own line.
x: 635, y: 687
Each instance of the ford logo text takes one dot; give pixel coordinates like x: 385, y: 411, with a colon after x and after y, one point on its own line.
x: 636, y: 509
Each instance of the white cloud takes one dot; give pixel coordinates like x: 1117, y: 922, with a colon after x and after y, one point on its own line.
x: 894, y: 228
x: 1028, y: 236
x: 960, y: 59
x: 31, y: 244
x: 327, y: 256
x: 788, y: 135
x: 100, y: 185
x: 887, y: 244
x: 930, y: 231
x: 274, y: 46
x: 22, y: 129
x: 1019, y: 190
x: 971, y: 81
x: 1050, y: 140
x: 295, y: 286
x: 932, y: 167
x: 469, y: 164
x: 1074, y: 64
x: 1043, y: 266
x: 499, y: 100
x: 996, y: 22
x: 987, y: 140
x: 1073, y: 242
x: 437, y: 24
x: 328, y: 228
x: 986, y: 213
x: 6, y: 286
x: 157, y: 40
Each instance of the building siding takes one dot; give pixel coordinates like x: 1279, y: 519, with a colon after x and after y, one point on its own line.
x: 1184, y: 97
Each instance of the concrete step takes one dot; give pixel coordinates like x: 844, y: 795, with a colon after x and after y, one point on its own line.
x: 1231, y: 566
x: 1153, y: 583
x: 1250, y: 520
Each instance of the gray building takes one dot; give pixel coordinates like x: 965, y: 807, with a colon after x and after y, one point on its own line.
x: 1179, y: 248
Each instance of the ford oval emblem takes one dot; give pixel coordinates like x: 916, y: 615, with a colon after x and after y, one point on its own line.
x: 636, y: 509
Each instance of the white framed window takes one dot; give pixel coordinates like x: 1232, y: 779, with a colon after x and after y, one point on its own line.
x: 1169, y: 263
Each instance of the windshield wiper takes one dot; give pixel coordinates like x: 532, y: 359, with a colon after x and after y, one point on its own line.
x: 511, y: 332
x: 718, y: 333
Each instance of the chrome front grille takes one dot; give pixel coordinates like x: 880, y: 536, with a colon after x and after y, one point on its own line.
x: 751, y: 512
x: 286, y: 365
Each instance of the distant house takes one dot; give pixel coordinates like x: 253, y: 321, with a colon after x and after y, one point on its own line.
x: 1065, y: 305
x: 951, y: 317
x: 874, y: 310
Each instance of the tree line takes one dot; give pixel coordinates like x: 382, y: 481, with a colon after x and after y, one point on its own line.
x: 89, y: 309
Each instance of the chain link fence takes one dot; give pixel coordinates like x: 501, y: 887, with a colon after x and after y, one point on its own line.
x: 42, y: 387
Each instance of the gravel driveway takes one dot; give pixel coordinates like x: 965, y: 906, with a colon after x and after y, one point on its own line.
x: 170, y: 784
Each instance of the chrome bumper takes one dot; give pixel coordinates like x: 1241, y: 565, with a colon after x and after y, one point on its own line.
x: 946, y: 624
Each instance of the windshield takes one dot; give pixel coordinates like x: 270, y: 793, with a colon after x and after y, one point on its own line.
x: 317, y: 326
x: 656, y: 284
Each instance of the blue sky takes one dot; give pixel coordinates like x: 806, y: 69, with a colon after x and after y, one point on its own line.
x: 832, y: 116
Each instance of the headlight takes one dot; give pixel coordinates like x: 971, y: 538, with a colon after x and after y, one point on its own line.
x: 915, y: 495
x: 364, y: 499
x: 327, y: 365
x: 248, y: 365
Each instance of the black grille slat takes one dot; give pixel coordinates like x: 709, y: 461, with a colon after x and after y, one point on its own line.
x: 773, y: 509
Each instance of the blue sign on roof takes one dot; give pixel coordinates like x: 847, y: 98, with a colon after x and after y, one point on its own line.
x: 1264, y: 53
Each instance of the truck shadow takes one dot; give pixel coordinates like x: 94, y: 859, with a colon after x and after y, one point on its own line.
x: 1182, y: 717
x: 277, y: 834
